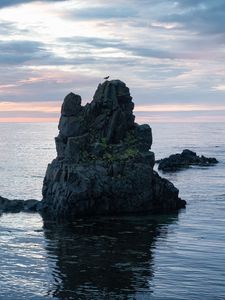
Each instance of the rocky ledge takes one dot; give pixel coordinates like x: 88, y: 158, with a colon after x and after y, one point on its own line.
x: 184, y: 160
x: 103, y: 164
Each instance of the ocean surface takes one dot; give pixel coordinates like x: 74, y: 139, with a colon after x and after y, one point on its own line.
x: 165, y: 257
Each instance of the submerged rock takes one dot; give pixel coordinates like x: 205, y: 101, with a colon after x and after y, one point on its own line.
x: 103, y: 163
x: 184, y: 160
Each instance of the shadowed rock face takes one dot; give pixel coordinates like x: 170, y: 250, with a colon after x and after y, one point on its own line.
x: 103, y: 163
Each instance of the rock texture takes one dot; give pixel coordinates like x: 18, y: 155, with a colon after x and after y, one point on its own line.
x: 184, y: 160
x: 103, y: 163
x: 15, y: 206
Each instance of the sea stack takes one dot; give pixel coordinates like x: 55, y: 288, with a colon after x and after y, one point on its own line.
x: 103, y: 164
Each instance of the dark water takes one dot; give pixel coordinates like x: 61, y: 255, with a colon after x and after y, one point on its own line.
x: 171, y: 257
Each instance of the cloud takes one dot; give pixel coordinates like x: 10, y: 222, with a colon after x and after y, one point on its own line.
x: 205, y: 17
x: 219, y: 87
x: 93, y: 41
x: 27, y: 84
x: 180, y: 33
x: 103, y: 12
x: 5, y: 3
x: 119, y: 44
x: 6, y: 28
x: 26, y: 52
x: 19, y: 52
x: 163, y: 49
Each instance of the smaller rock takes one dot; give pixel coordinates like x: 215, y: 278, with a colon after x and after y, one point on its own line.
x: 188, y: 153
x: 3, y: 203
x: 15, y: 206
x: 30, y: 205
x: 184, y: 160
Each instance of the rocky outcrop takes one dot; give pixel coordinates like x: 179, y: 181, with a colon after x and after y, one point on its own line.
x: 103, y: 163
x: 15, y: 206
x: 184, y: 160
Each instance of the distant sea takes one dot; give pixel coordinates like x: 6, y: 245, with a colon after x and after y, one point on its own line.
x: 165, y: 257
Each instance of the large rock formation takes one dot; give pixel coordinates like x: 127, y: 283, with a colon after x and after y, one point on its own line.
x: 103, y: 163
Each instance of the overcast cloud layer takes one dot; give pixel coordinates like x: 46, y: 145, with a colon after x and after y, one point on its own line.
x: 168, y: 52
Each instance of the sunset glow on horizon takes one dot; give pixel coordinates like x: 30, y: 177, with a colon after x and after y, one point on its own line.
x: 50, y: 112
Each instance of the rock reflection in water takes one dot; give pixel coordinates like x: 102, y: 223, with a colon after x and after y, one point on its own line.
x: 104, y: 258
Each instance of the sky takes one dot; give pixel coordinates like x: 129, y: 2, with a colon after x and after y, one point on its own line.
x: 171, y: 54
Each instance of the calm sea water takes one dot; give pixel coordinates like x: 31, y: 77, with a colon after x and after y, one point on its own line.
x: 175, y: 257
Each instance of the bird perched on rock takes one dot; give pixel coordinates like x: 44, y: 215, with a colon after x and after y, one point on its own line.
x: 107, y: 77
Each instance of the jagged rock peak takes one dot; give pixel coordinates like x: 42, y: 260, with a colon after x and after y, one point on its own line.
x: 114, y: 92
x: 71, y: 105
x: 109, y: 118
